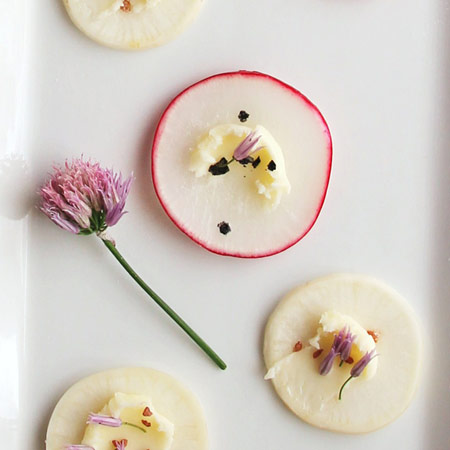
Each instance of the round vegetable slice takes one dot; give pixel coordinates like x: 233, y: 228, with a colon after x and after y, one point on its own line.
x: 132, y: 24
x: 169, y: 397
x: 366, y: 404
x: 223, y: 212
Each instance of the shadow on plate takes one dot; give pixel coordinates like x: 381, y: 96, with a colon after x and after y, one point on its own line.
x: 437, y: 433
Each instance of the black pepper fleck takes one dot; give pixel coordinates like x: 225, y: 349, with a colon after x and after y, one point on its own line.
x: 219, y: 168
x: 272, y: 166
x: 224, y: 227
x: 256, y: 162
x: 243, y: 116
x: 246, y: 161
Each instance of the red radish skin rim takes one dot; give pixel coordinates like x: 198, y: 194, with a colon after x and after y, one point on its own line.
x: 159, y: 131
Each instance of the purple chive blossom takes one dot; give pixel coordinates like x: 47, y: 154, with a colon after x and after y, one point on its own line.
x: 78, y: 447
x: 338, y: 339
x: 246, y: 147
x: 327, y: 362
x: 358, y: 368
x: 84, y: 198
x: 108, y: 421
x: 345, y: 346
x: 81, y: 196
x: 339, y: 344
x: 98, y: 419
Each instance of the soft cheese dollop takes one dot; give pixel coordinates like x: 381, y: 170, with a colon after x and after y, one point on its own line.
x: 330, y: 324
x: 269, y: 180
x: 136, y: 410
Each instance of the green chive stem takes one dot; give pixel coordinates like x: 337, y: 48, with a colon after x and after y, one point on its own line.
x: 343, y: 386
x: 135, y: 426
x: 162, y: 304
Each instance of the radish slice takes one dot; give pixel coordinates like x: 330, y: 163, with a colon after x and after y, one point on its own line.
x: 204, y: 207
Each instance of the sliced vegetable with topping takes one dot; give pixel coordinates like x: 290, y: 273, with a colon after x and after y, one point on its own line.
x: 247, y: 147
x: 132, y: 24
x: 103, y: 410
x: 344, y: 379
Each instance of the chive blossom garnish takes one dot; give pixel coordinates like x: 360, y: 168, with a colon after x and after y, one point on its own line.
x: 108, y: 421
x: 345, y: 347
x: 84, y: 198
x: 241, y: 154
x: 342, y: 345
x: 358, y: 368
x: 78, y: 447
x: 247, y: 146
x: 134, y: 426
x: 327, y: 362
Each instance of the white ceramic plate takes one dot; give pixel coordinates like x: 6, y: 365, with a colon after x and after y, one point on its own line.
x: 379, y: 73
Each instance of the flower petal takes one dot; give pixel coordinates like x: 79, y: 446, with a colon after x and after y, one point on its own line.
x: 359, y: 367
x: 108, y: 421
x: 246, y: 147
x: 327, y: 362
x: 78, y: 447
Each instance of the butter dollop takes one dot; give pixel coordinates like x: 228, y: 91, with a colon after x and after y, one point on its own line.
x: 330, y: 324
x: 269, y: 180
x: 130, y: 408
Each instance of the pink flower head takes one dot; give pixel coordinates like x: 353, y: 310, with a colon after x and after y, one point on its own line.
x: 338, y: 339
x: 342, y: 345
x: 78, y: 447
x: 359, y: 367
x: 98, y: 419
x: 246, y: 147
x: 327, y: 362
x: 120, y: 445
x: 345, y: 345
x: 84, y: 198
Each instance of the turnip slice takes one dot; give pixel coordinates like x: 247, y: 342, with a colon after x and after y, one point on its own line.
x: 197, y: 205
x: 170, y: 398
x: 367, y: 403
x: 133, y: 24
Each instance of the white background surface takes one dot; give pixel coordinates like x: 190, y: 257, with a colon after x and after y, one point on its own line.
x: 379, y: 72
